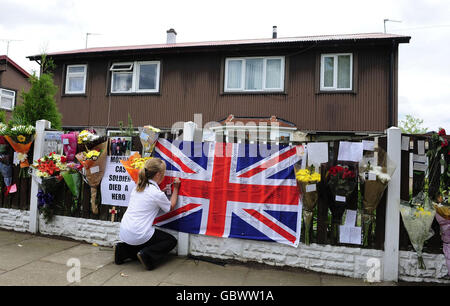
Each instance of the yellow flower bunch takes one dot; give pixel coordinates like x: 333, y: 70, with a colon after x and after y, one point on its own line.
x: 93, y: 154
x: 139, y: 163
x: 305, y: 175
x: 86, y: 136
x: 421, y: 212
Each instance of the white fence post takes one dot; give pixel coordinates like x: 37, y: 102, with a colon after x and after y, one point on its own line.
x: 41, y: 125
x: 392, y: 229
x: 183, y: 238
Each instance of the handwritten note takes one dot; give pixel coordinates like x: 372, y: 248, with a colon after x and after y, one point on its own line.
x: 350, y: 234
x: 350, y: 217
x: 317, y: 153
x: 420, y: 147
x: 405, y: 143
x: 368, y: 145
x: 311, y: 188
x: 350, y: 151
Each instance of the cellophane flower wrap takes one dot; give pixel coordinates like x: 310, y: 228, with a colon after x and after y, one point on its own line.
x: 341, y: 180
x: 375, y: 175
x: 444, y: 223
x: 93, y: 159
x: 20, y: 137
x: 148, y: 136
x: 48, y: 170
x: 72, y: 177
x: 307, y: 180
x: 70, y: 141
x: 134, y: 164
x: 417, y: 216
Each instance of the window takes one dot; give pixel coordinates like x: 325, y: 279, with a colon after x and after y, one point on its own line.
x: 254, y: 74
x: 336, y: 71
x: 76, y: 79
x: 135, y: 77
x: 7, y: 99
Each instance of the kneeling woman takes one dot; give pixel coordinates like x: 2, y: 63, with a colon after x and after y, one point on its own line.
x: 140, y: 240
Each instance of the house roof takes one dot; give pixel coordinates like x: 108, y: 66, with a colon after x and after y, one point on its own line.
x: 374, y: 37
x: 6, y: 59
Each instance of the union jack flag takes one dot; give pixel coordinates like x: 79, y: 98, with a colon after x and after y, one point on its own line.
x: 233, y: 190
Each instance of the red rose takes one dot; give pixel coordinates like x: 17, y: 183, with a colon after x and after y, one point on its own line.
x: 444, y: 143
x: 441, y: 132
x: 63, y: 159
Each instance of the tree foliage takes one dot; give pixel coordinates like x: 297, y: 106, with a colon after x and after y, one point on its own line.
x: 39, y: 102
x: 412, y: 125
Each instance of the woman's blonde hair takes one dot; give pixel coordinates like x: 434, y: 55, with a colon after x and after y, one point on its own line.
x: 151, y: 168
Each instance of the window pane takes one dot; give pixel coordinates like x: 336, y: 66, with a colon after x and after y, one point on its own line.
x: 7, y: 93
x: 122, y: 81
x: 6, y: 102
x: 273, y: 73
x: 76, y: 84
x: 328, y: 74
x: 234, y: 74
x: 147, y: 76
x: 78, y: 69
x: 253, y: 74
x: 344, y: 71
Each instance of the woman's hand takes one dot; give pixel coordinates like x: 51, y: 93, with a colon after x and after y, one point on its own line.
x: 176, y: 183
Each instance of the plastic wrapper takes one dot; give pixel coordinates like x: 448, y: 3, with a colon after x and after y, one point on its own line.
x: 417, y: 216
x: 95, y: 172
x: 444, y: 224
x: 73, y: 182
x: 307, y: 180
x: 375, y: 174
x: 148, y: 136
x: 22, y: 148
x: 48, y: 186
x: 70, y: 145
x: 342, y: 181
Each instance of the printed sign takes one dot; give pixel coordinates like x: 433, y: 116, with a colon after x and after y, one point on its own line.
x: 53, y: 142
x: 116, y: 184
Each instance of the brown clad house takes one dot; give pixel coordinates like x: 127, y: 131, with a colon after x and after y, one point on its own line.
x: 317, y: 83
x: 13, y: 79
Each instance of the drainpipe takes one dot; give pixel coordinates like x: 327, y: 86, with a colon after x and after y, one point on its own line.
x: 391, y: 88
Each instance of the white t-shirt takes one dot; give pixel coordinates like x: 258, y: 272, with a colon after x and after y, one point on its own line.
x: 136, y: 226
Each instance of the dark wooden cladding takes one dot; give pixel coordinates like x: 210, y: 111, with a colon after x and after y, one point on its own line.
x: 192, y: 83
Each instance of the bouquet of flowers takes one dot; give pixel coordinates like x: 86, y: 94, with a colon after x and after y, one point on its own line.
x: 443, y: 218
x: 306, y: 181
x: 72, y: 177
x: 341, y: 181
x: 375, y: 179
x: 20, y: 137
x: 70, y: 141
x: 49, y: 170
x: 93, y: 160
x: 5, y: 165
x: 134, y: 163
x: 417, y: 216
x: 149, y: 136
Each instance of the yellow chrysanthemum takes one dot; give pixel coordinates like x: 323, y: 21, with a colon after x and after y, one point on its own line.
x: 304, y: 175
x: 139, y: 163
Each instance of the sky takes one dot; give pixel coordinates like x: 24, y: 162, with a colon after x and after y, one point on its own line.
x: 424, y: 69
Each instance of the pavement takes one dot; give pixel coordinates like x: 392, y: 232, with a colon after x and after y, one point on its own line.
x: 36, y: 260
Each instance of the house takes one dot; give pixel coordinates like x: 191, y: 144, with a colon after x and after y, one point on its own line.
x: 13, y: 79
x: 340, y: 83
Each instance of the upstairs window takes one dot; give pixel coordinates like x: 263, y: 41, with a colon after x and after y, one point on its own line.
x: 336, y: 71
x: 253, y: 74
x: 7, y: 99
x: 76, y: 79
x: 135, y: 77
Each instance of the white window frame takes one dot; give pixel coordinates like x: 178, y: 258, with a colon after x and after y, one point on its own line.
x: 264, y: 88
x: 3, y: 95
x: 75, y: 74
x: 335, y: 72
x: 135, y: 71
